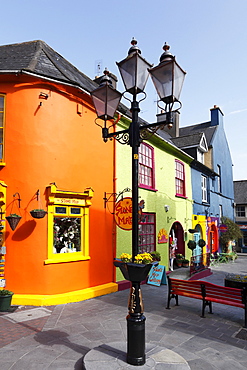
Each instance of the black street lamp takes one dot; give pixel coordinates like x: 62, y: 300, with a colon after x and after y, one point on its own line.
x: 168, y: 79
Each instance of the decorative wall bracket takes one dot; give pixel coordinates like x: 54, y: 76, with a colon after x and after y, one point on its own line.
x: 18, y: 199
x: 113, y: 197
x: 170, y: 218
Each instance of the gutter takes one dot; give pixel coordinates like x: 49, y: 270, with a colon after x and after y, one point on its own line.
x: 44, y: 78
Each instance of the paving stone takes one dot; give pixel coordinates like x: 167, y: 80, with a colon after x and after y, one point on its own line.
x: 72, y: 330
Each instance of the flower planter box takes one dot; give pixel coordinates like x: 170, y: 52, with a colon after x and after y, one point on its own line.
x: 134, y: 272
x: 235, y: 284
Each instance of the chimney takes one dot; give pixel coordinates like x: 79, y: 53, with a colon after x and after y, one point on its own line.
x: 216, y: 116
x: 174, y: 130
x: 112, y: 77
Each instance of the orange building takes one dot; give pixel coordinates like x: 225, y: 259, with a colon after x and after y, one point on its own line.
x: 52, y: 157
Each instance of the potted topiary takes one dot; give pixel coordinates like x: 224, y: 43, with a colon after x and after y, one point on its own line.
x: 13, y: 220
x: 38, y: 213
x: 5, y: 299
x: 201, y: 243
x: 191, y: 244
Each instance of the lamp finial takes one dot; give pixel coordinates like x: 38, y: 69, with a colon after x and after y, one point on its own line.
x: 134, y: 48
x: 166, y: 56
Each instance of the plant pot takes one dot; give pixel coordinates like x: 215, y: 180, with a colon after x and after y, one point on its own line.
x: 134, y: 271
x: 13, y: 221
x: 235, y: 284
x: 179, y: 263
x: 5, y: 302
x: 185, y: 264
x: 38, y: 214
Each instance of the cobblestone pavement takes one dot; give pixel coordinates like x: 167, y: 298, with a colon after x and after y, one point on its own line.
x: 58, y: 337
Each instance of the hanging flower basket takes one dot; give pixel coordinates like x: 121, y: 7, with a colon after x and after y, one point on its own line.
x: 38, y: 213
x: 13, y: 220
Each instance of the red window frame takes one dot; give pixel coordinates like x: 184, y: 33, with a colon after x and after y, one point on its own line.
x: 147, y: 233
x: 146, y: 167
x: 180, y: 178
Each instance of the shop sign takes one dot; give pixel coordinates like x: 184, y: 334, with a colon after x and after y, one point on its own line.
x: 157, y: 275
x: 70, y: 201
x: 123, y: 213
x: 162, y: 236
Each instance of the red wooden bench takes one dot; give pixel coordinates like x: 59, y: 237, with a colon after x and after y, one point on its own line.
x: 208, y: 293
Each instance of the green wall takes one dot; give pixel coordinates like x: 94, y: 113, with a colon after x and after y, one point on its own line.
x: 180, y: 209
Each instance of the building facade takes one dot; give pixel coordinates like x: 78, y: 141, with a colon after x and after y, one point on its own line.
x: 211, y: 176
x: 52, y: 158
x: 165, y: 197
x: 240, y: 198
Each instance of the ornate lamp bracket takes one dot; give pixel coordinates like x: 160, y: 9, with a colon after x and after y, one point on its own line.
x: 113, y: 197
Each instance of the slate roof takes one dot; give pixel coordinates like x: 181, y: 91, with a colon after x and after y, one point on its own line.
x: 205, y: 127
x: 240, y: 191
x: 39, y: 58
x: 188, y: 141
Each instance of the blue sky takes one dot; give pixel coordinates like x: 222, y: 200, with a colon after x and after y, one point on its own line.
x: 208, y: 38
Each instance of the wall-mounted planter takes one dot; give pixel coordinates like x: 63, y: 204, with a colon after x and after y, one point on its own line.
x: 13, y: 220
x: 38, y: 213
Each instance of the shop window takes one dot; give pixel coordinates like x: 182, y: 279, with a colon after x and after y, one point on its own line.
x: 67, y: 231
x: 68, y: 225
x: 146, y: 167
x: 179, y: 178
x: 147, y: 233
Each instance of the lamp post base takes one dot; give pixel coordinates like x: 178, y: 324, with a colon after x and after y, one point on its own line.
x: 136, y: 340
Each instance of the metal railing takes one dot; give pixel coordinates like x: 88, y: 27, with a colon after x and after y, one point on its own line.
x: 199, y: 263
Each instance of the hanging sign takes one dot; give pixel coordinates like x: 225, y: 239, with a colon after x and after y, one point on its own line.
x: 157, y: 275
x: 123, y: 213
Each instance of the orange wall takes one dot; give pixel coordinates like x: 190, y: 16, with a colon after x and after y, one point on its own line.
x: 53, y: 143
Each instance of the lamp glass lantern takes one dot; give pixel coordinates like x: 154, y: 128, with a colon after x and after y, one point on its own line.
x: 168, y: 78
x: 106, y: 100
x: 134, y: 72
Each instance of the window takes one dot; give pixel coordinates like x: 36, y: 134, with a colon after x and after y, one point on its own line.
x: 180, y: 178
x: 204, y: 188
x: 2, y: 115
x: 147, y: 233
x: 240, y: 211
x: 219, y: 178
x: 146, y: 166
x: 221, y: 210
x: 68, y: 225
x: 67, y: 230
x: 200, y: 156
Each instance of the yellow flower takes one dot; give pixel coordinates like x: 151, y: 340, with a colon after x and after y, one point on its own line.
x: 139, y: 258
x: 125, y: 257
